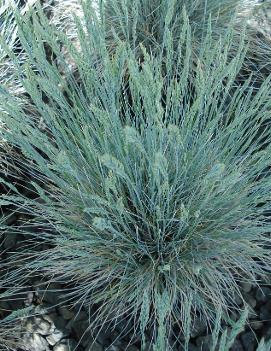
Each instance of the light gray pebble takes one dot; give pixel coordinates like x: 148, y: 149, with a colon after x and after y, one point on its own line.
x: 50, y: 317
x: 61, y: 347
x: 29, y: 327
x: 43, y: 327
x: 36, y: 342
x: 55, y: 337
x: 29, y: 299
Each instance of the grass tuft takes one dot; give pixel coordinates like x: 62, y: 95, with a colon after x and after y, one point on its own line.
x: 153, y: 200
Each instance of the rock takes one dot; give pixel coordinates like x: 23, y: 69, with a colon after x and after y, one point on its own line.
x: 36, y: 342
x: 81, y: 316
x: 237, y: 346
x: 55, y: 337
x: 29, y: 327
x: 50, y: 318
x: 50, y: 296
x: 250, y: 300
x: 66, y: 313
x: 29, y: 300
x: 43, y: 327
x: 246, y: 287
x: 61, y: 347
x: 249, y: 342
x: 81, y: 329
x: 60, y: 323
x: 263, y: 294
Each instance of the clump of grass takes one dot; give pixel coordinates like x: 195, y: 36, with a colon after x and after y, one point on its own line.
x: 154, y: 204
x: 149, y: 22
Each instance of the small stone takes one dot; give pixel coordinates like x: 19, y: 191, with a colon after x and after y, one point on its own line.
x: 249, y: 342
x: 30, y: 296
x: 36, y: 342
x: 55, y: 337
x: 50, y: 317
x: 81, y: 330
x: 81, y: 316
x: 60, y: 323
x: 61, y: 347
x: 66, y: 313
x: 29, y: 327
x: 250, y: 300
x: 43, y: 327
x: 263, y: 294
x: 50, y: 297
x: 246, y: 287
x: 237, y: 346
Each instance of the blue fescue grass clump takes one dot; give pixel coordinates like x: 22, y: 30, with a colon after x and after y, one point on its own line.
x: 148, y: 22
x: 153, y: 200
